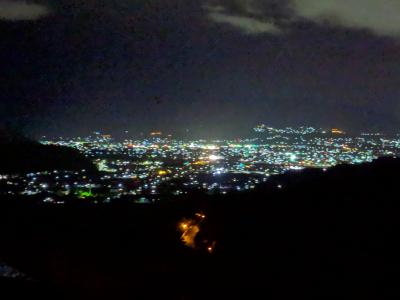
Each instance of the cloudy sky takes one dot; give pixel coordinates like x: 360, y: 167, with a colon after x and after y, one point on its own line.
x: 209, y: 67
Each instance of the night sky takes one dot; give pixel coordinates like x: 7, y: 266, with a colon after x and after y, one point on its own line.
x: 204, y: 68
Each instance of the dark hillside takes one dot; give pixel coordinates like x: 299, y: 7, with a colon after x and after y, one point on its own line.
x: 322, y: 233
x: 20, y: 155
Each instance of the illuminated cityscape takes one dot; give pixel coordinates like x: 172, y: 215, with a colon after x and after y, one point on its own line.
x: 143, y: 171
x: 211, y: 149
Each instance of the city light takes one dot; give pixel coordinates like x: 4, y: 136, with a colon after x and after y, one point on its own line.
x: 214, y: 157
x: 153, y: 167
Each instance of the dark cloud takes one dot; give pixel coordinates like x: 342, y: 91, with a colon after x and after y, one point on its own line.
x: 210, y: 66
x: 22, y: 10
x: 246, y: 24
x: 380, y: 17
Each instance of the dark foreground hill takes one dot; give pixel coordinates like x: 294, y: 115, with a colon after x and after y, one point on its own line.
x: 20, y: 156
x: 308, y: 233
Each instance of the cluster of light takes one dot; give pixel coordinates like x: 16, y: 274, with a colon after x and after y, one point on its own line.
x: 189, y: 229
x: 156, y: 166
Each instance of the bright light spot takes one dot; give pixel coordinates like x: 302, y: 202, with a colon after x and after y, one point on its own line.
x: 162, y: 172
x: 296, y: 168
x: 200, y: 215
x: 214, y: 157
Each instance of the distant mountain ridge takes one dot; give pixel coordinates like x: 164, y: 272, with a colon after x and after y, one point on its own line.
x: 19, y: 154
